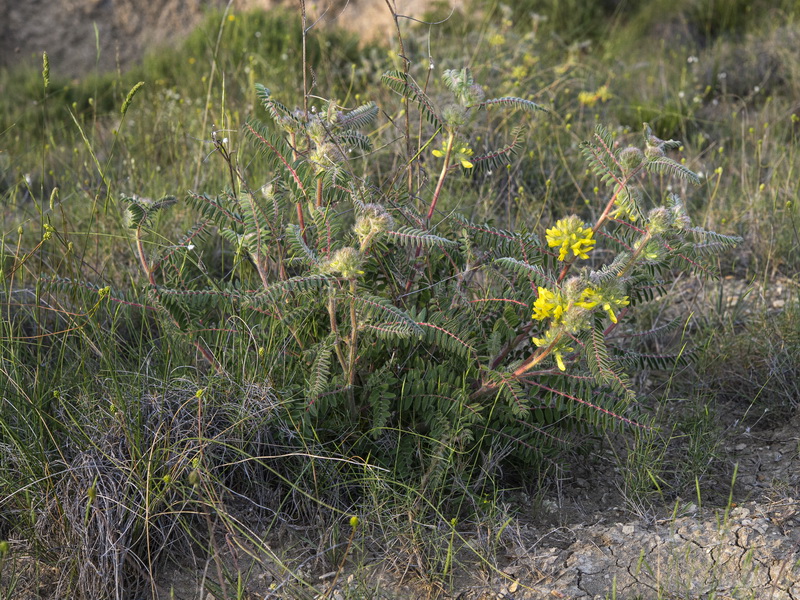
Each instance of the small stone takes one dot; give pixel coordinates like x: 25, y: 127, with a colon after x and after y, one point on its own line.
x: 740, y: 512
x: 628, y: 529
x: 740, y: 447
x: 779, y: 303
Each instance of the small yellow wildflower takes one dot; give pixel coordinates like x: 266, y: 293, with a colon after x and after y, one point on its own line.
x: 463, y: 155
x: 498, y: 39
x: 573, y: 235
x: 550, y: 304
x: 608, y: 299
x: 559, y: 346
x: 519, y: 72
x: 601, y: 94
x: 459, y: 154
x: 587, y: 98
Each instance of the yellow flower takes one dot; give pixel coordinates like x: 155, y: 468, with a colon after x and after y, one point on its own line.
x: 519, y: 72
x: 603, y: 94
x: 559, y: 346
x: 459, y: 154
x: 590, y: 98
x: 550, y: 304
x: 608, y: 299
x: 463, y: 155
x: 587, y: 98
x: 573, y: 236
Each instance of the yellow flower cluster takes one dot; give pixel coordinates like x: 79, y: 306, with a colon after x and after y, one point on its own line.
x: 591, y: 98
x: 461, y: 155
x: 608, y: 299
x: 558, y: 306
x: 550, y: 304
x: 559, y: 346
x: 574, y: 237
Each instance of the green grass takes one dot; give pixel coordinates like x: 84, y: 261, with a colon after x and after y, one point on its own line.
x: 98, y: 394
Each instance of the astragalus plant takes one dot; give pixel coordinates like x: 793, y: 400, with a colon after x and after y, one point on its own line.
x: 376, y: 314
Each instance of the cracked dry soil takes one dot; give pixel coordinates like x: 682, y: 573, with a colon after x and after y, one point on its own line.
x: 751, y: 553
x: 750, y: 550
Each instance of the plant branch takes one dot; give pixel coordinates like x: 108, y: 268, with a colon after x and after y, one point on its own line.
x: 351, y: 365
x: 337, y: 344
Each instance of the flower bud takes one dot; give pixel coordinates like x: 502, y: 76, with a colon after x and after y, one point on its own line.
x: 654, y: 152
x: 454, y: 115
x: 476, y: 94
x: 194, y: 477
x: 630, y: 158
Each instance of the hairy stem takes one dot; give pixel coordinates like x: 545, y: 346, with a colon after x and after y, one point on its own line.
x: 538, y: 356
x: 305, y: 64
x: 143, y: 258
x: 637, y: 253
x: 351, y: 364
x: 337, y: 344
x: 451, y: 136
x: 442, y: 175
x: 392, y: 5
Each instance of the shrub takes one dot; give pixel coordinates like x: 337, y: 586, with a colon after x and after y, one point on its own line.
x: 377, y: 314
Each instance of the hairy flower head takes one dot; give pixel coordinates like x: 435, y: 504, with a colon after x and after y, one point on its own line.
x: 346, y: 262
x: 374, y: 221
x: 630, y: 158
x: 573, y: 236
x: 609, y: 299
